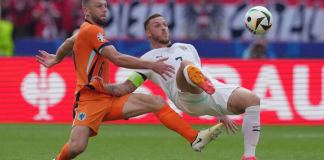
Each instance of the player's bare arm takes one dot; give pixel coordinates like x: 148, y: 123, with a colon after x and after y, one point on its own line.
x: 49, y: 60
x: 230, y: 125
x: 130, y: 85
x: 115, y: 89
x: 120, y: 89
x: 126, y: 61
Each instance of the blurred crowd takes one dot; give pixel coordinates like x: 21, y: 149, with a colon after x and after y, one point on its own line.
x: 50, y: 19
x: 54, y: 20
x: 205, y: 17
x: 46, y: 19
x: 57, y: 19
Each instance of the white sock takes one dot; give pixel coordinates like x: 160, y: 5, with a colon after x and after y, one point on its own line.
x: 185, y: 73
x: 251, y: 130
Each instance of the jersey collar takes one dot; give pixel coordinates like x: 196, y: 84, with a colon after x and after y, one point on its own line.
x: 88, y: 21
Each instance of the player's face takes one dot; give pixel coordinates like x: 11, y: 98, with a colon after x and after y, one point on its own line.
x: 97, y: 11
x: 158, y: 30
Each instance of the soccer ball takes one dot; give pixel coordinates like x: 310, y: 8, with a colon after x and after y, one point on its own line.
x: 258, y: 20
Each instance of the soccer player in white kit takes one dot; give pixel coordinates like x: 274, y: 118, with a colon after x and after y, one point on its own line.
x: 191, y: 89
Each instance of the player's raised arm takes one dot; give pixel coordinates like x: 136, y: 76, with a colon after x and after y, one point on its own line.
x: 49, y: 60
x: 126, y: 61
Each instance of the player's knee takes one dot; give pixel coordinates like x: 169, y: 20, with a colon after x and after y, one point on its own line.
x: 155, y: 103
x: 254, y: 100
x: 158, y: 102
x: 242, y: 99
x: 76, y: 148
x: 184, y: 63
x: 76, y: 151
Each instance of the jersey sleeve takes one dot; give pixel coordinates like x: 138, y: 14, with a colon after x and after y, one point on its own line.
x: 195, y: 53
x: 96, y: 38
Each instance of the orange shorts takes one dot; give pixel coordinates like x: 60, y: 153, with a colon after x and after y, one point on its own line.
x: 93, y: 108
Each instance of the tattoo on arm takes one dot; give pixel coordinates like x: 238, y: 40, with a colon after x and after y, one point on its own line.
x: 120, y: 89
x: 111, y: 89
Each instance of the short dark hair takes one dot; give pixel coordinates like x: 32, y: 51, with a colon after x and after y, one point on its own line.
x: 146, y: 22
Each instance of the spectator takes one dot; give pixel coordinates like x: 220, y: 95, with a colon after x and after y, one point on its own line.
x: 67, y: 19
x: 6, y: 30
x: 204, y: 19
x: 46, y: 14
x: 20, y: 15
x: 77, y: 16
x: 257, y: 50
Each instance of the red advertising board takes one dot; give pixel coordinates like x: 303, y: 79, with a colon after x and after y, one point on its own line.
x: 291, y: 90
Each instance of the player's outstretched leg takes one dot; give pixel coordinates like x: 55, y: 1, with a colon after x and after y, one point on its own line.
x: 244, y: 101
x: 196, y: 77
x: 138, y: 104
x: 77, y: 143
x: 206, y: 136
x: 251, y: 131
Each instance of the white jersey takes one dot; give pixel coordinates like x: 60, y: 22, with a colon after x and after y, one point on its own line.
x: 176, y: 53
x: 193, y: 104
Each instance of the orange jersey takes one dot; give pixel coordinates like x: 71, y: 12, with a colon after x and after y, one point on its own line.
x: 87, y: 58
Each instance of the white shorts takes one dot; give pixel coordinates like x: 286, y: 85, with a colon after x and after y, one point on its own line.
x: 205, y: 104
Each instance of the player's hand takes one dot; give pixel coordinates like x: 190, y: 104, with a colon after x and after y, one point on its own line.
x: 163, y: 69
x: 46, y: 59
x: 230, y: 125
x: 97, y: 83
x: 97, y: 78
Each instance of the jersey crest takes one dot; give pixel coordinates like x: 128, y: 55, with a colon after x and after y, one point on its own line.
x: 183, y: 47
x: 101, y: 37
x: 82, y: 116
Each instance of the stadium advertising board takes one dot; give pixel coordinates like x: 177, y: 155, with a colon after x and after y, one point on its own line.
x: 291, y: 90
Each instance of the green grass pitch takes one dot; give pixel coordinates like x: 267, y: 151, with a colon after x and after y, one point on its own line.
x: 154, y: 142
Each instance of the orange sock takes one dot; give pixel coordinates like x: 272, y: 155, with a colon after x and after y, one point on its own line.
x: 64, y: 153
x: 173, y: 121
